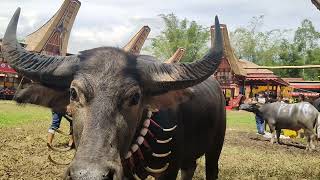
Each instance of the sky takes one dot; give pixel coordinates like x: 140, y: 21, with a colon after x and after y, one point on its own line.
x: 114, y: 22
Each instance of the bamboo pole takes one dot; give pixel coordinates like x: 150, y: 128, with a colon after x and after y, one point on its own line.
x: 285, y: 67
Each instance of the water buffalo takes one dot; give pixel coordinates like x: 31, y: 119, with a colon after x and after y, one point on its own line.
x: 316, y: 104
x: 316, y: 3
x: 112, y: 92
x: 280, y: 115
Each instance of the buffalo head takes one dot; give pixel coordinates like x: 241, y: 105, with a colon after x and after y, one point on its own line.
x: 250, y: 107
x: 109, y: 89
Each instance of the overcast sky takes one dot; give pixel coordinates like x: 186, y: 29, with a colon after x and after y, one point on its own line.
x: 113, y: 22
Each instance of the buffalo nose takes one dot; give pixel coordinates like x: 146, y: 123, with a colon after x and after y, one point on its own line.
x: 90, y: 171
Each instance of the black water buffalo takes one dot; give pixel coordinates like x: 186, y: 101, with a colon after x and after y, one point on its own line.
x: 280, y: 115
x: 113, y: 92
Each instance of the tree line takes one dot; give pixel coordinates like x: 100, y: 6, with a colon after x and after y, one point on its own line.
x: 269, y: 48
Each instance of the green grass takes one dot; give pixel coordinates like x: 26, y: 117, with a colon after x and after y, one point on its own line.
x: 13, y: 114
x: 245, y: 155
x: 240, y: 119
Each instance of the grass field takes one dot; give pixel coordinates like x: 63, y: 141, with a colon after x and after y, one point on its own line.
x: 23, y: 151
x: 12, y: 114
x: 240, y: 120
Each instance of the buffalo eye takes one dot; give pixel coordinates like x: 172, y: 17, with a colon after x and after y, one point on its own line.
x: 73, y: 94
x: 134, y: 99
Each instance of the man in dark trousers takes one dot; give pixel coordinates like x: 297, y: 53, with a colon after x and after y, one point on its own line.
x: 55, y: 125
x: 261, y: 99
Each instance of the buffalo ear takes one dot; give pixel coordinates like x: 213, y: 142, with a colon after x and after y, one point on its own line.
x: 41, y: 95
x: 170, y: 99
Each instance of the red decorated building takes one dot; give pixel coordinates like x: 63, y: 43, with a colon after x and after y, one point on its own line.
x: 237, y: 81
x: 310, y: 89
x: 51, y: 38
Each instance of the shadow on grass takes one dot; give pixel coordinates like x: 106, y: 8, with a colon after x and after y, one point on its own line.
x: 288, y: 144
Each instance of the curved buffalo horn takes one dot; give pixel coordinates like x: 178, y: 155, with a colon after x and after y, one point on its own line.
x: 56, y: 71
x: 163, y: 77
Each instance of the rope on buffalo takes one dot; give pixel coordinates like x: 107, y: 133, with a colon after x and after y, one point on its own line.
x: 51, y: 148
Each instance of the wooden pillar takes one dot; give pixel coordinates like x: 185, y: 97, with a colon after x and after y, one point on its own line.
x: 244, y: 88
x: 5, y: 78
x: 13, y: 80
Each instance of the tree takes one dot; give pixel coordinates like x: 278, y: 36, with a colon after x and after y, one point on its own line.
x: 288, y: 55
x: 275, y: 47
x: 180, y: 33
x: 254, y: 45
x: 313, y: 57
x: 306, y: 39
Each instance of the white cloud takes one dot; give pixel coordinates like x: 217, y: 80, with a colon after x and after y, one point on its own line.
x: 101, y: 37
x: 113, y: 22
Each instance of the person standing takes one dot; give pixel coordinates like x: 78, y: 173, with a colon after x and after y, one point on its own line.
x: 301, y: 98
x: 261, y: 99
x: 55, y: 125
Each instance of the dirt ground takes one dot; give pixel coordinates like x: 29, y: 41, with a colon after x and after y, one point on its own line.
x: 24, y: 155
x: 247, y: 155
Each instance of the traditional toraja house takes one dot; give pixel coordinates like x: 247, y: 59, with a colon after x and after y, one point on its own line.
x: 236, y: 80
x: 8, y: 79
x: 135, y: 44
x: 177, y: 56
x: 257, y: 80
x: 51, y: 38
x: 310, y: 89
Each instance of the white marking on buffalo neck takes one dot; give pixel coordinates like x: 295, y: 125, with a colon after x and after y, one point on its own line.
x: 282, y: 109
x: 306, y: 109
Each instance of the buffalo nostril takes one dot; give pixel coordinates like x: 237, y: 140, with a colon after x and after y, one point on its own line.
x: 109, y: 175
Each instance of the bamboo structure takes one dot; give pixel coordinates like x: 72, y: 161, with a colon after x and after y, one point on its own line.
x: 135, y: 44
x: 177, y: 56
